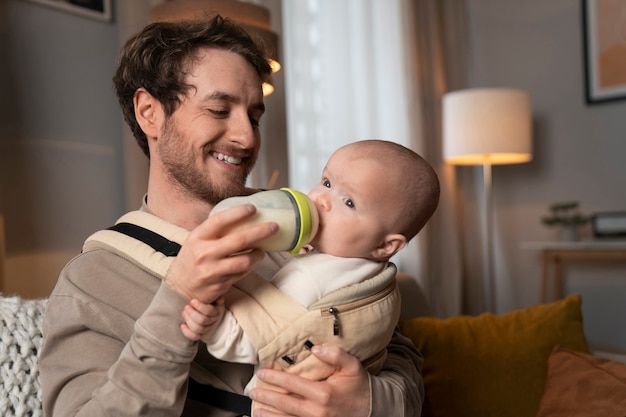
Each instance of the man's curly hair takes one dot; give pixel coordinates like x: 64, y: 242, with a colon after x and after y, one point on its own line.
x: 158, y: 57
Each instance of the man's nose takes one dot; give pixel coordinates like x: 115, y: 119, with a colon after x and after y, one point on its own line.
x: 243, y: 132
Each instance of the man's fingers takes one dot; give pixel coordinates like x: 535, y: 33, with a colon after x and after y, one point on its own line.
x: 346, y: 391
x: 287, y: 404
x: 337, y: 358
x: 215, y: 254
x: 223, y: 223
x: 226, y: 219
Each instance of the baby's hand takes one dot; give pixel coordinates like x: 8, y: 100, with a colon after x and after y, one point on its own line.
x: 200, y: 319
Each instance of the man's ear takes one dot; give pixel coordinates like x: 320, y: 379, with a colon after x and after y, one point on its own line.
x: 391, y: 244
x: 148, y: 112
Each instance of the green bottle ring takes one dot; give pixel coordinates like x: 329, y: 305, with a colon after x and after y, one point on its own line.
x: 304, y: 221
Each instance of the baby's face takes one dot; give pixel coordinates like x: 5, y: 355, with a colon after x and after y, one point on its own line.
x: 355, y: 205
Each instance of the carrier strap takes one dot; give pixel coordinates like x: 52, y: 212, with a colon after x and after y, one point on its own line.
x: 150, y: 238
x: 206, y: 394
x: 219, y: 398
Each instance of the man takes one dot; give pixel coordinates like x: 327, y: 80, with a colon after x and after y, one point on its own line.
x: 113, y: 346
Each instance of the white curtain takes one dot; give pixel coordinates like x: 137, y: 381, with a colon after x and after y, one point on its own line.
x: 354, y: 70
x: 344, y: 79
x: 436, y: 43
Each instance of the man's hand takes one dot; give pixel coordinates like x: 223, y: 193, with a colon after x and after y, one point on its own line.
x: 345, y: 393
x: 213, y: 257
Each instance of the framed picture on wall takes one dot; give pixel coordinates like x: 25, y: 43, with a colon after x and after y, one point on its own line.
x: 604, y: 30
x: 95, y: 9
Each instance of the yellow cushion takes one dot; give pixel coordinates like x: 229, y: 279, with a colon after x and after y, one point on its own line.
x: 582, y: 385
x: 493, y: 365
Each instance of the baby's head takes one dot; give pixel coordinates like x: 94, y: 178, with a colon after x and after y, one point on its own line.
x: 374, y: 196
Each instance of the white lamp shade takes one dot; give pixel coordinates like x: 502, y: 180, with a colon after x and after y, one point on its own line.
x: 487, y: 125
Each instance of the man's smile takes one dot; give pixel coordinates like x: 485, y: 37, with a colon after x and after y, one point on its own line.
x: 226, y: 158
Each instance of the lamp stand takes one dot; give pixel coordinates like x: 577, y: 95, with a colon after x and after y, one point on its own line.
x: 487, y: 232
x: 488, y: 126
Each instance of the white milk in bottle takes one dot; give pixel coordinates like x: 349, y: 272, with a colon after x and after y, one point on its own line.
x: 294, y: 212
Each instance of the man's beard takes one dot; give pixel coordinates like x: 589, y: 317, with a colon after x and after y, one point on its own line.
x: 191, y: 180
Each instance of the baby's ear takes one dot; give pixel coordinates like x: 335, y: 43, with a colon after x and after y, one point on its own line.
x: 389, y: 247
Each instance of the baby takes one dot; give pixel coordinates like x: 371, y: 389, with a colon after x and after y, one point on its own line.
x: 373, y: 198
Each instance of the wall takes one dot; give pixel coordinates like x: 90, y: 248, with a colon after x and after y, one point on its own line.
x: 579, y: 150
x: 60, y: 141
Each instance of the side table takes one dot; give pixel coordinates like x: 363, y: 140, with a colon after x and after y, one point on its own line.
x: 553, y: 253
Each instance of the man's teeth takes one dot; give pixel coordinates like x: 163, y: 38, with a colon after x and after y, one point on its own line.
x: 226, y: 158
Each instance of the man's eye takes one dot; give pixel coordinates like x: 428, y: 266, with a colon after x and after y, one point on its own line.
x: 349, y: 203
x: 255, y: 122
x: 219, y: 113
x: 326, y: 183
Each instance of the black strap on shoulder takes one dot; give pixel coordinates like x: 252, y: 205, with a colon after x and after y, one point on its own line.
x: 206, y: 394
x: 219, y: 398
x: 150, y: 238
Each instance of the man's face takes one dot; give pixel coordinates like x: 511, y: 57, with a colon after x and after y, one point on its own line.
x: 210, y: 143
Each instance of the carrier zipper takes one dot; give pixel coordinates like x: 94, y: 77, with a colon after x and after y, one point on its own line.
x: 335, y: 313
x: 344, y: 308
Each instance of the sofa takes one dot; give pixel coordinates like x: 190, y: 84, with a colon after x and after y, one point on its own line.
x: 532, y: 362
x: 20, y: 340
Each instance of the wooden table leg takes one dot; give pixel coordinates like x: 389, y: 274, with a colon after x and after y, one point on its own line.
x: 557, y: 276
x: 553, y: 259
x: 544, y: 277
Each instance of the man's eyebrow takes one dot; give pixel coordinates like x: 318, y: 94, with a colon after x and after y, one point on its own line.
x: 221, y: 96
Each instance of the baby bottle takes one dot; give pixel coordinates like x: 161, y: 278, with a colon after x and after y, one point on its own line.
x: 294, y: 212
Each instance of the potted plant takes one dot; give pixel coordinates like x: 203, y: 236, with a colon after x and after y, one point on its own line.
x: 566, y: 216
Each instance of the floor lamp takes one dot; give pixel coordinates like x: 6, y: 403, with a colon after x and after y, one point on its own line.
x: 487, y: 126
